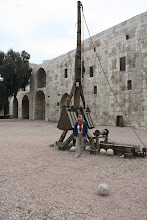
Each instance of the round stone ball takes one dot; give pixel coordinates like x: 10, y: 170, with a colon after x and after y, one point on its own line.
x: 102, y: 151
x: 103, y: 189
x: 110, y: 152
x: 88, y: 148
x: 72, y: 149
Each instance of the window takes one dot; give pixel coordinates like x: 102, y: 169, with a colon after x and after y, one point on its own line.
x: 95, y: 89
x: 91, y: 71
x: 127, y: 37
x: 119, y: 121
x: 65, y: 73
x: 122, y: 64
x: 129, y: 84
x: 41, y: 78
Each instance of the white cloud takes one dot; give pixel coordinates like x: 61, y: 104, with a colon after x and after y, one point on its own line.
x: 46, y: 28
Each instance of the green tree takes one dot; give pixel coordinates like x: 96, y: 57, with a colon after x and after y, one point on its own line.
x: 15, y: 71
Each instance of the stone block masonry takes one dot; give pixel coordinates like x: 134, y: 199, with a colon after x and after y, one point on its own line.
x: 122, y: 51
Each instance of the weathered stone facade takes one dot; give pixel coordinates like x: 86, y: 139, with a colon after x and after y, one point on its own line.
x: 122, y: 51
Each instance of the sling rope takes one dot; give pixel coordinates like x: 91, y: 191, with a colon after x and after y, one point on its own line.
x: 83, y: 65
x: 109, y: 82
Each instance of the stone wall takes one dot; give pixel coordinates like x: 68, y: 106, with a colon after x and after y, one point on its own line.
x: 125, y: 43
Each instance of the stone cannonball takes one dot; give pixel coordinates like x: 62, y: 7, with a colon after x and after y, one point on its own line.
x: 88, y: 148
x: 103, y: 189
x: 72, y: 149
x: 102, y: 151
x: 110, y: 152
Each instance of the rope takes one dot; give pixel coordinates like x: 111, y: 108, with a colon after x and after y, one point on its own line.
x: 112, y: 141
x: 109, y: 82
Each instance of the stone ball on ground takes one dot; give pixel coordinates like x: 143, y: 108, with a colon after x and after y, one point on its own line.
x: 110, y: 152
x: 88, y: 148
x: 52, y: 145
x: 102, y: 151
x: 103, y: 189
x: 72, y: 149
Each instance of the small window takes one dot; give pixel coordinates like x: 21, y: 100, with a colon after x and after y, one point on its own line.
x: 91, y: 71
x: 65, y: 73
x: 129, y: 84
x: 127, y: 37
x: 119, y: 121
x: 95, y: 89
x: 122, y: 64
x: 57, y: 103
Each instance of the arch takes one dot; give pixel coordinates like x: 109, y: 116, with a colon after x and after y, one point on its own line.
x: 64, y: 100
x: 15, y: 108
x: 41, y: 78
x: 39, y: 106
x: 25, y: 107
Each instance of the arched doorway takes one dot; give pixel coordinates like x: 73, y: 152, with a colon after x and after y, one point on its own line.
x: 15, y: 108
x: 64, y: 100
x: 40, y: 106
x: 25, y: 108
x: 41, y: 78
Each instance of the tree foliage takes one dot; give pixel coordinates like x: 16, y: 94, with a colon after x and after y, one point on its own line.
x: 15, y: 71
x: 3, y: 96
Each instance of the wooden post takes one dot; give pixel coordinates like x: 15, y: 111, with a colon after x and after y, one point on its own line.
x: 78, y: 59
x: 63, y: 136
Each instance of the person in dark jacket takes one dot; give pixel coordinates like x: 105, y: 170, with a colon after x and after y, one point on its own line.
x: 80, y: 133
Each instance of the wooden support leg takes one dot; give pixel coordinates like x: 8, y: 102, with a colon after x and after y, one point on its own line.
x: 82, y: 96
x: 63, y: 135
x: 71, y: 93
x: 67, y: 142
x: 65, y: 145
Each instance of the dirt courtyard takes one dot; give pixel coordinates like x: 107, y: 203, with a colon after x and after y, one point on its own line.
x: 39, y: 182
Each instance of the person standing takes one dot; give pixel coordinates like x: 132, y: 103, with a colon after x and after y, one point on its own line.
x: 80, y: 133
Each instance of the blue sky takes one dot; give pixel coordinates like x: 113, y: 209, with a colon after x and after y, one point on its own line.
x: 46, y: 28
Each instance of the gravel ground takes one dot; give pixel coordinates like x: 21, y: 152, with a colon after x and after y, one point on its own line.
x: 39, y: 182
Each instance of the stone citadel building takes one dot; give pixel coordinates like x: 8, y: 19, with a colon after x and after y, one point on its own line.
x: 123, y: 53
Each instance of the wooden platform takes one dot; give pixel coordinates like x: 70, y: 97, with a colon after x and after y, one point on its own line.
x: 120, y: 149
